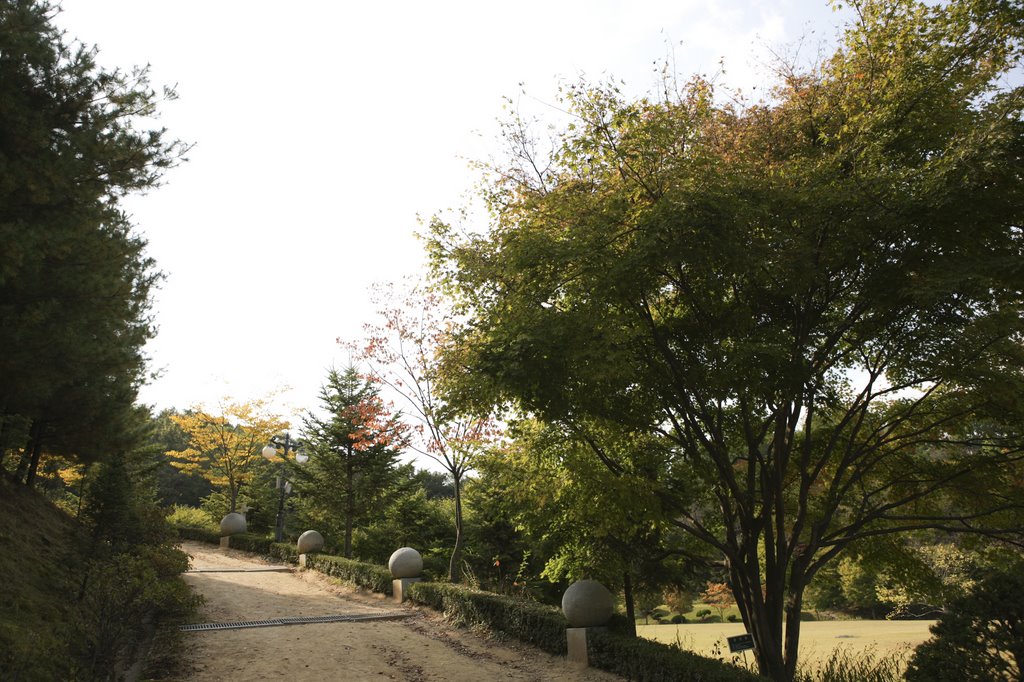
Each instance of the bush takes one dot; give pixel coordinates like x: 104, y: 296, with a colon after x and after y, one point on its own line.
x: 198, y: 534
x: 285, y: 551
x: 979, y: 638
x: 264, y: 545
x: 540, y: 625
x: 647, y: 661
x: 120, y: 598
x: 190, y: 517
x: 544, y: 627
x: 370, y: 576
x: 733, y: 618
x: 678, y: 618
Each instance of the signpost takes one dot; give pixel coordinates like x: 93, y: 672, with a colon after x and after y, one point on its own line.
x: 741, y: 643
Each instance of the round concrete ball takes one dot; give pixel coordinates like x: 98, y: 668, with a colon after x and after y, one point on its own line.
x: 405, y: 563
x: 310, y: 541
x: 587, y: 604
x: 232, y: 524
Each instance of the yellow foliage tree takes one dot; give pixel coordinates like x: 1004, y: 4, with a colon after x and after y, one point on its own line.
x: 224, y: 448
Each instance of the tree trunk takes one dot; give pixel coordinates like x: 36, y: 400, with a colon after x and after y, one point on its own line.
x: 349, y: 504
x: 796, y: 597
x: 762, y: 616
x: 81, y: 493
x: 37, y: 451
x: 627, y: 593
x: 4, y: 429
x: 26, y: 456
x: 455, y: 565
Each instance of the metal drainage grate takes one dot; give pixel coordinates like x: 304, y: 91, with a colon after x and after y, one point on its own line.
x: 294, y: 620
x: 269, y: 569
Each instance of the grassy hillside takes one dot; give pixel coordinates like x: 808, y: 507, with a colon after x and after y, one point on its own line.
x: 38, y: 562
x: 78, y: 604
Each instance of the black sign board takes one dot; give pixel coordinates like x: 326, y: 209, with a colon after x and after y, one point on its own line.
x: 740, y: 643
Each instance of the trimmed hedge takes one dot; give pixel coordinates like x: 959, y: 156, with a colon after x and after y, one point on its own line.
x: 265, y: 545
x: 540, y: 625
x: 370, y: 576
x: 647, y: 661
x: 257, y: 544
x: 544, y: 627
x: 198, y: 534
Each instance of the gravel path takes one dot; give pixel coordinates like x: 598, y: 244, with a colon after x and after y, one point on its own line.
x: 421, y: 647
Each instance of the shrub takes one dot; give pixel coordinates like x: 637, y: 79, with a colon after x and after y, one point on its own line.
x: 285, y: 551
x: 120, y: 597
x: 190, y: 517
x: 370, y: 576
x: 264, y: 545
x: 544, y: 627
x: 198, y: 534
x: 647, y: 661
x: 979, y: 638
x: 733, y: 618
x: 678, y: 618
x: 540, y: 625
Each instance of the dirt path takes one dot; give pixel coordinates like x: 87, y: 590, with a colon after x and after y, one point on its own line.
x: 421, y: 647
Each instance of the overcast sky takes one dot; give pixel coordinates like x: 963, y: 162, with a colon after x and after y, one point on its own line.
x: 323, y: 129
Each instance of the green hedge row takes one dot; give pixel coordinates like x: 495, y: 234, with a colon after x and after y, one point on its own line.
x: 370, y: 576
x: 265, y: 545
x: 544, y: 627
x: 540, y: 625
x: 198, y: 534
x: 257, y: 544
x: 646, y: 661
x: 537, y: 624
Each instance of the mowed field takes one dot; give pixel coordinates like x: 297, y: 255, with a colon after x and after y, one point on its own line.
x: 818, y: 639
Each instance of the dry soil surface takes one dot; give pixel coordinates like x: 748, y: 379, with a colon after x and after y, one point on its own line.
x: 419, y: 647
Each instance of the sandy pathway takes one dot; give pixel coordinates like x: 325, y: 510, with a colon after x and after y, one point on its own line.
x: 421, y: 647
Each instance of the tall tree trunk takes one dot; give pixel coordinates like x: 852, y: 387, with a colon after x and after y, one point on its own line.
x: 627, y: 593
x: 81, y: 493
x: 350, y: 509
x: 795, y: 603
x: 761, y: 615
x: 4, y: 429
x: 26, y: 456
x: 455, y: 565
x: 37, y: 451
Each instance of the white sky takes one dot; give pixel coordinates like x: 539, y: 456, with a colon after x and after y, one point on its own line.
x: 323, y: 129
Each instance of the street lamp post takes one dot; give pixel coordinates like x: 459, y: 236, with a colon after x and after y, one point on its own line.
x: 270, y: 453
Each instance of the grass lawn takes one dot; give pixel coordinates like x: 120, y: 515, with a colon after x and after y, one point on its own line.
x: 818, y: 639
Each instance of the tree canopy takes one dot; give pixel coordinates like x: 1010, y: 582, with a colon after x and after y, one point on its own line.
x: 225, y: 446
x: 354, y: 448
x: 75, y: 282
x: 815, y: 299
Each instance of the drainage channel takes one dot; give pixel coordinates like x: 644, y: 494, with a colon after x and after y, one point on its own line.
x: 268, y: 569
x: 296, y: 620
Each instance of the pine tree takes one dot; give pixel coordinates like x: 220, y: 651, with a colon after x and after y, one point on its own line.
x: 353, y: 452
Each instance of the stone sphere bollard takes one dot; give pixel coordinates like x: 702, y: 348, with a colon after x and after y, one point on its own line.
x: 310, y: 541
x: 587, y: 604
x: 232, y: 524
x: 405, y: 563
